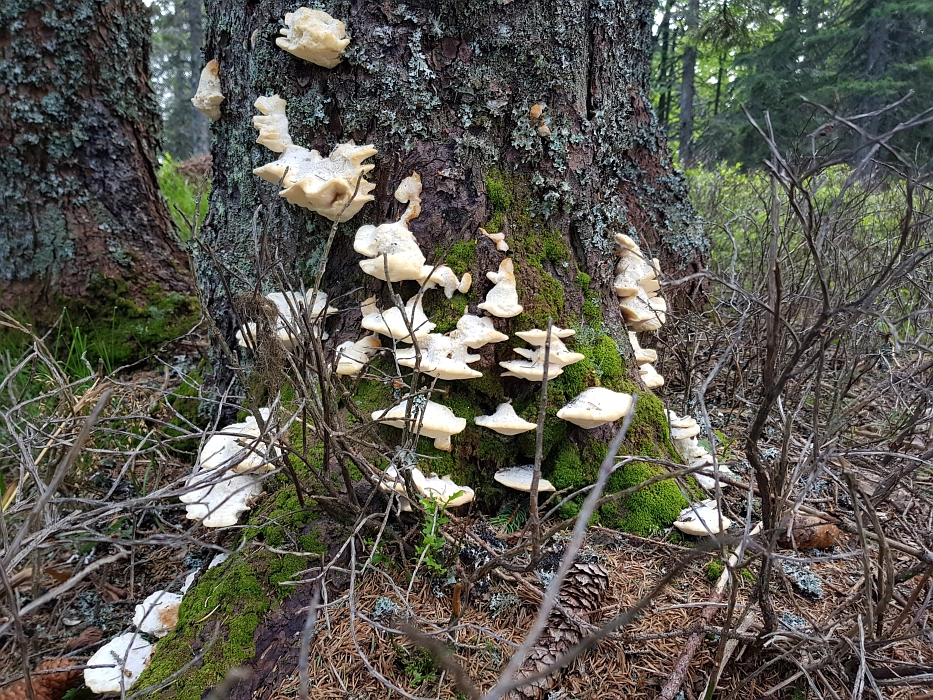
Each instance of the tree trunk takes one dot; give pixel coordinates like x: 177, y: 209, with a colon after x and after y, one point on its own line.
x: 200, y: 133
x: 448, y: 90
x: 688, y: 88
x: 81, y: 217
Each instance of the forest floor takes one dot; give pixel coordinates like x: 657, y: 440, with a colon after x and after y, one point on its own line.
x: 816, y: 594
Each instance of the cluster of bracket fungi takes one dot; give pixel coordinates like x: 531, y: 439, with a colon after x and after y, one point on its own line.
x: 336, y: 187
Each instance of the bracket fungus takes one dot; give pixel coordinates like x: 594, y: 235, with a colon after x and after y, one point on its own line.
x: 436, y: 421
x: 217, y: 498
x: 505, y: 421
x: 446, y: 278
x: 158, y: 613
x: 391, y: 483
x: 498, y: 239
x: 441, y: 489
x: 703, y: 518
x: 208, y: 97
x: 352, y: 356
x: 324, y: 185
x: 393, y: 323
x: 684, y: 432
x: 478, y: 331
x: 314, y: 36
x: 292, y: 310
x: 519, y: 478
x: 502, y: 299
x: 596, y: 406
x: 391, y: 246
x: 118, y: 664
x: 532, y: 367
x: 642, y: 355
x: 238, y: 447
x: 442, y: 356
x: 636, y: 285
x: 649, y: 375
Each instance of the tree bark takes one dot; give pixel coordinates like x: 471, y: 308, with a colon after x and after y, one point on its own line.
x: 688, y: 88
x: 80, y: 208
x: 445, y: 89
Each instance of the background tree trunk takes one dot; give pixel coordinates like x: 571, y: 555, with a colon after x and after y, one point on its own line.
x: 688, y: 87
x: 80, y: 210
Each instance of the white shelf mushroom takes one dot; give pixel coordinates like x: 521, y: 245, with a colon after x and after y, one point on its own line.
x: 314, y: 36
x: 642, y: 356
x: 392, y: 483
x: 637, y: 285
x: 120, y: 662
x: 324, y: 185
x: 442, y: 356
x: 208, y: 97
x: 701, y: 519
x: 218, y: 498
x: 498, y: 239
x: 238, y: 447
x: 596, y: 406
x: 650, y: 376
x: 158, y: 613
x: 446, y: 278
x: 519, y: 478
x: 502, y: 299
x: 708, y: 477
x: 393, y: 324
x: 442, y: 490
x: 292, y: 310
x: 532, y: 367
x: 391, y: 246
x: 477, y: 331
x: 436, y: 421
x: 505, y: 421
x: 353, y: 356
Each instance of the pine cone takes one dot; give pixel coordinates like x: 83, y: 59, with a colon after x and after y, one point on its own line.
x: 48, y: 686
x: 581, y: 595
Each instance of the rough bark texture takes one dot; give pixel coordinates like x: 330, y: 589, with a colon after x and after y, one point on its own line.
x: 79, y: 204
x: 445, y: 88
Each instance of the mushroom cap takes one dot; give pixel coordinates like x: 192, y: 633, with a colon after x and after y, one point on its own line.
x: 650, y: 376
x: 701, y: 519
x: 497, y: 238
x: 690, y: 448
x: 519, y: 478
x: 538, y: 337
x: 218, y: 498
x: 392, y: 322
x: 158, y: 613
x: 392, y: 483
x: 532, y: 371
x: 208, y: 97
x: 707, y: 478
x: 505, y: 421
x: 442, y: 275
x: 642, y: 355
x: 477, y: 331
x: 558, y: 354
x: 502, y: 299
x: 272, y: 125
x: 314, y: 36
x: 352, y: 356
x: 442, y: 356
x: 680, y: 421
x: 438, y: 421
x: 465, y: 283
x: 596, y: 406
x: 402, y: 254
x: 640, y: 314
x: 114, y: 676
x: 689, y: 431
x: 238, y: 448
x: 442, y: 490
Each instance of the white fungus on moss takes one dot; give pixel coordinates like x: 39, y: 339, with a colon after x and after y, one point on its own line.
x: 314, y: 36
x: 158, y: 613
x: 393, y: 324
x: 441, y: 356
x: 118, y: 664
x: 520, y: 478
x: 502, y: 299
x: 323, y: 185
x: 353, y: 356
x: 505, y: 421
x: 435, y: 420
x: 596, y: 406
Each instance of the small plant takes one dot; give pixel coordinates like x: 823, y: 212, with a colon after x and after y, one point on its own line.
x: 511, y: 517
x: 418, y: 665
x: 431, y: 540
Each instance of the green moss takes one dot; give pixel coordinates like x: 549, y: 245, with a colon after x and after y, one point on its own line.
x: 498, y: 191
x: 648, y: 510
x: 461, y: 257
x: 714, y: 570
x: 445, y: 312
